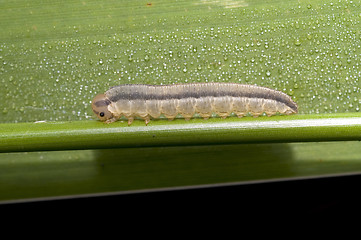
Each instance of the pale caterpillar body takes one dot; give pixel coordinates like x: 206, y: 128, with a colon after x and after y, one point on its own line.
x: 152, y: 101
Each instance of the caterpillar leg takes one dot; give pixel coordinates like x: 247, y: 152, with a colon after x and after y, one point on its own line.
x: 130, y: 120
x: 205, y: 116
x: 147, y: 120
x: 110, y: 120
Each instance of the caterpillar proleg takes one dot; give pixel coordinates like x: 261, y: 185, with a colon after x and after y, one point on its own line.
x: 152, y: 101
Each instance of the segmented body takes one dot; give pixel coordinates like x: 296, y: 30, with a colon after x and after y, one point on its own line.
x: 152, y: 101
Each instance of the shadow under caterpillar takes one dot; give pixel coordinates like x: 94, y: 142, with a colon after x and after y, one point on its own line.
x: 151, y: 101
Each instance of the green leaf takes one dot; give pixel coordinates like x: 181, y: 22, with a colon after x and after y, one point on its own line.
x: 56, y: 56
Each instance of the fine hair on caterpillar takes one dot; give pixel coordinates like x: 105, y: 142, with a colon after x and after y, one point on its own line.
x: 151, y: 101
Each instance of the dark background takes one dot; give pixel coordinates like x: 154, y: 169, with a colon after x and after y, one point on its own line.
x: 320, y: 196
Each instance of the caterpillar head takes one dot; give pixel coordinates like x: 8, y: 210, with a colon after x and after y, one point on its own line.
x: 100, y: 107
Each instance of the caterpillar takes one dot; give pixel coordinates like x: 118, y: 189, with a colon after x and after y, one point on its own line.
x: 151, y: 101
